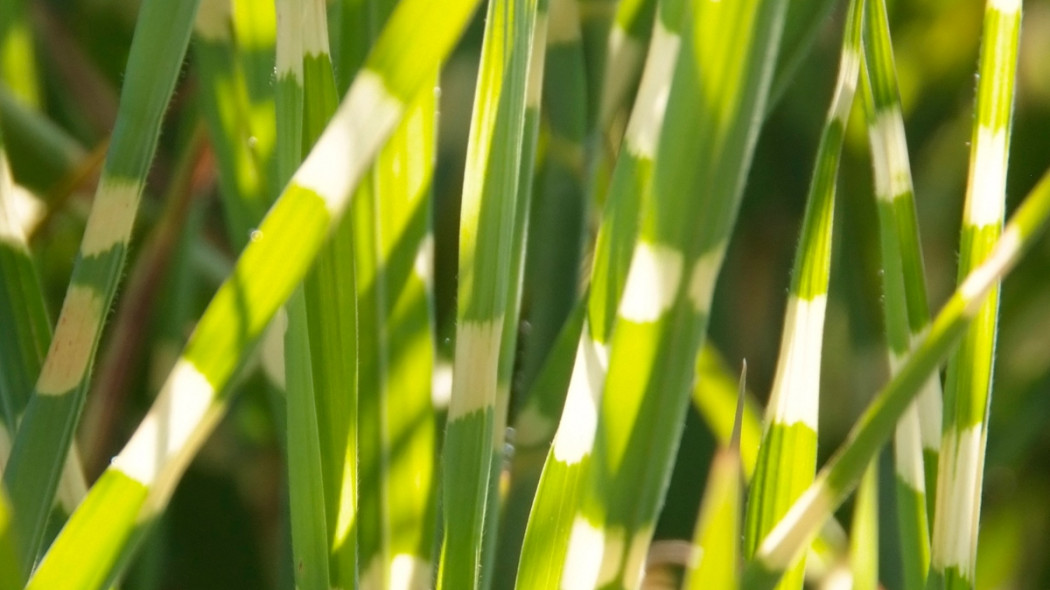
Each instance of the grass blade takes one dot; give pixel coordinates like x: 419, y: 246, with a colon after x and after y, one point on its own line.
x: 905, y: 308
x: 544, y: 559
x: 969, y: 376
x: 715, y: 397
x: 720, y: 84
x: 306, y: 497
x: 45, y: 435
x: 488, y: 284
x: 864, y: 534
x: 244, y: 185
x: 320, y: 354
x: 842, y: 473
x: 565, y: 32
x: 917, y: 440
x: 788, y: 453
x: 717, y: 537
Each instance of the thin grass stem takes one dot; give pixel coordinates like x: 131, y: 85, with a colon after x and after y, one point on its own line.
x: 968, y: 390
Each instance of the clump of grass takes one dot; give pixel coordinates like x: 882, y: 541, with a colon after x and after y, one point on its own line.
x: 608, y: 152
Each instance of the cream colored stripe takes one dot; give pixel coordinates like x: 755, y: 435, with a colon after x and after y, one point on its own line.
x: 315, y: 28
x: 796, y: 387
x: 795, y: 530
x: 846, y: 85
x: 1008, y: 7
x: 583, y: 557
x: 67, y: 358
x: 652, y: 282
x: 537, y: 61
x: 907, y: 441
x: 346, y: 148
x: 170, y: 429
x: 289, y: 59
x: 959, y: 502
x: 643, y: 130
x: 10, y: 228
x: 975, y: 286
x: 575, y: 436
x: 112, y: 215
x: 889, y: 149
x: 984, y: 202
x: 476, y: 365
x: 214, y: 20
x: 564, y: 22
x: 704, y: 277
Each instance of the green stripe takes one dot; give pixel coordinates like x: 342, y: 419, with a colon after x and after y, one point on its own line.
x: 631, y: 181
x: 534, y: 428
x: 630, y: 185
x: 317, y: 353
x: 813, y: 265
x: 163, y: 32
x: 718, y: 527
x: 433, y: 27
x: 864, y: 534
x: 879, y: 54
x: 546, y: 325
x: 288, y: 98
x: 970, y: 372
x: 787, y: 460
x: 895, y: 303
x: 914, y: 539
x: 113, y: 507
x: 21, y: 356
x: 547, y: 536
x: 470, y: 437
x: 306, y: 496
x: 997, y: 71
x: 886, y: 103
x: 787, y: 456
